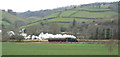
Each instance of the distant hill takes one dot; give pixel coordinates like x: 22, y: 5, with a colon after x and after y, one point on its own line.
x: 90, y: 21
x: 83, y: 13
x: 62, y: 15
x: 47, y: 12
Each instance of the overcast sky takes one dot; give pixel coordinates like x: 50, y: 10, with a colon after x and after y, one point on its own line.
x: 33, y: 5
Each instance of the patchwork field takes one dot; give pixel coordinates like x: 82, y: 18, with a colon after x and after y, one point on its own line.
x: 53, y: 15
x: 12, y: 48
x: 95, y: 9
x: 69, y: 19
x: 12, y: 18
x: 93, y: 14
x: 67, y: 13
x: 4, y: 23
x: 79, y: 14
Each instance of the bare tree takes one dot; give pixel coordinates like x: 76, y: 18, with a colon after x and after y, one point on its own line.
x: 54, y: 28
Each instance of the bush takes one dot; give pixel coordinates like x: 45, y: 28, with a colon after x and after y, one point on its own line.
x: 19, y: 38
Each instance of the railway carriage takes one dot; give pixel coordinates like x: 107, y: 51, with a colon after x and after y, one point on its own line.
x: 62, y: 40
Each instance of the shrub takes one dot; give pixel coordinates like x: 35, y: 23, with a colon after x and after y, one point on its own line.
x: 19, y: 38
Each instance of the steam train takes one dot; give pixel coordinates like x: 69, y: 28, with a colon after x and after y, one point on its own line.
x: 62, y: 40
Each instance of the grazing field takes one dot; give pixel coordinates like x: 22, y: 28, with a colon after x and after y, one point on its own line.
x: 33, y: 18
x: 93, y: 14
x: 79, y: 14
x: 53, y: 15
x: 67, y: 13
x: 30, y: 25
x: 12, y: 18
x: 69, y: 19
x: 4, y: 23
x: 12, y: 48
x: 60, y: 19
x: 94, y: 9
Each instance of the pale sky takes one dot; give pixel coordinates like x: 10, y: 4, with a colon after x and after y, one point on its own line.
x: 34, y: 5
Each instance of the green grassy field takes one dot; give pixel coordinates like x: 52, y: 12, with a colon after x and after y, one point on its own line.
x: 55, y: 49
x: 4, y: 23
x: 93, y: 14
x: 67, y: 13
x: 32, y: 18
x: 30, y: 25
x: 94, y: 9
x: 12, y: 18
x: 53, y: 15
x: 60, y: 19
x: 84, y: 15
x: 69, y: 19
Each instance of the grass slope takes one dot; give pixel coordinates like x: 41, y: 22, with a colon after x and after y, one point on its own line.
x: 67, y: 13
x: 12, y: 18
x: 93, y: 9
x: 84, y: 15
x: 53, y: 15
x: 32, y: 18
x: 4, y: 23
x: 94, y: 14
x: 69, y: 19
x: 55, y: 49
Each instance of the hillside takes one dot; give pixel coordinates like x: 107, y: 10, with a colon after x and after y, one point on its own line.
x: 88, y: 21
x: 47, y: 12
x: 80, y: 14
x: 9, y: 19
